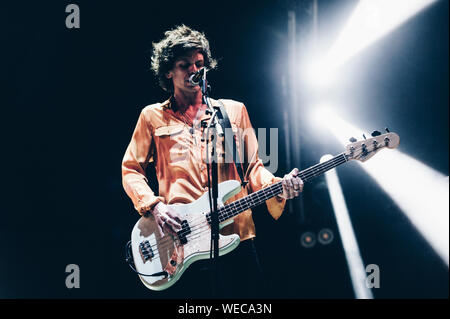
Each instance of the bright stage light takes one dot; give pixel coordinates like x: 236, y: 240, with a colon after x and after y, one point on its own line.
x: 319, y: 73
x: 419, y: 191
x: 349, y: 243
x: 371, y: 20
x: 324, y: 116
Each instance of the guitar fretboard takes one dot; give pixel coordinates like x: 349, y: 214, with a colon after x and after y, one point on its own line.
x: 254, y: 199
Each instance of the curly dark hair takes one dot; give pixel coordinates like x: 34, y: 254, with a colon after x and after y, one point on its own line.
x: 176, y: 43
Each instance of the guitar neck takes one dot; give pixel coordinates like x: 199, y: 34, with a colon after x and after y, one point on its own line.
x: 230, y: 210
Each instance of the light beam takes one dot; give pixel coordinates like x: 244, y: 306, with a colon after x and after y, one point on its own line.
x: 419, y: 191
x: 348, y: 238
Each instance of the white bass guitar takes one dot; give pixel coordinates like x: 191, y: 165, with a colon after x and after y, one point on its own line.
x: 160, y: 261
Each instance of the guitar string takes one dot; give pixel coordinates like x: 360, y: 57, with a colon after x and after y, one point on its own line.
x: 308, y: 173
x: 204, y: 229
x: 272, y: 188
x: 225, y: 209
x: 311, y: 172
x: 199, y: 232
x: 197, y: 227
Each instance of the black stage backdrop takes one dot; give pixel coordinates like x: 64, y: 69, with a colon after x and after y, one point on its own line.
x: 70, y: 99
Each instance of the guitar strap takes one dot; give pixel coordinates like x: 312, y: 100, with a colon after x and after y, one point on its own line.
x: 230, y: 142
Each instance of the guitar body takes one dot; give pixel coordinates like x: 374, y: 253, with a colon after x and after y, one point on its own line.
x: 155, y: 254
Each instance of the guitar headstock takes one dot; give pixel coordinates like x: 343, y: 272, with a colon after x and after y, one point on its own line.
x: 365, y: 149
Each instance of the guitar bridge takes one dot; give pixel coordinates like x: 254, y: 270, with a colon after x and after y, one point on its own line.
x: 146, y: 251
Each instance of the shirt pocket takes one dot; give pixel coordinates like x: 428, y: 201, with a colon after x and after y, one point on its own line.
x: 171, y: 143
x: 169, y: 130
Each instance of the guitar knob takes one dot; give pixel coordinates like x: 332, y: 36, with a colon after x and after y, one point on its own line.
x: 352, y: 139
x: 375, y: 133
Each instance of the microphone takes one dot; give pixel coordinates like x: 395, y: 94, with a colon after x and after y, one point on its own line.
x: 194, y: 79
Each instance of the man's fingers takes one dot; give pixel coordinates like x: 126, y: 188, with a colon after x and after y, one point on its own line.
x: 297, y: 184
x: 173, y: 224
x: 161, y: 232
x: 174, y: 216
x: 167, y: 226
x: 285, y: 188
x: 290, y: 184
x: 171, y: 219
x: 174, y: 220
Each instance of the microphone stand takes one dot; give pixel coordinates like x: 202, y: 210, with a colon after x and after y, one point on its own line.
x: 213, y: 183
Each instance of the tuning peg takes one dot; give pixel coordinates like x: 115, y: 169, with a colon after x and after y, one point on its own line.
x: 387, y: 130
x: 352, y: 139
x: 375, y: 133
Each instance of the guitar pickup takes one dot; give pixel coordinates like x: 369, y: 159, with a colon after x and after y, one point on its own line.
x: 185, y: 230
x: 146, y: 251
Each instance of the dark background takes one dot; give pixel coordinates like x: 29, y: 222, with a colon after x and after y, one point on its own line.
x: 70, y: 100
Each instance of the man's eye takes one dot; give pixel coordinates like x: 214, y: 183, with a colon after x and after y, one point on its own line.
x: 199, y: 64
x: 184, y: 66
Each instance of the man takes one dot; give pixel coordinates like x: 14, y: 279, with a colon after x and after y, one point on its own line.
x: 170, y: 135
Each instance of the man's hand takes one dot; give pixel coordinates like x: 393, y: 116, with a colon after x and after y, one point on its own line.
x: 292, y: 186
x: 167, y: 220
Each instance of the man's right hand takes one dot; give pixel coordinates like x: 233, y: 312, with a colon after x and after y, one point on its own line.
x: 167, y: 220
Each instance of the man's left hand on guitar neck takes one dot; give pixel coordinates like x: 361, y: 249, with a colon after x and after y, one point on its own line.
x: 292, y: 185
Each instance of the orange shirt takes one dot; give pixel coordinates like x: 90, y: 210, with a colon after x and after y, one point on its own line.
x: 166, y: 137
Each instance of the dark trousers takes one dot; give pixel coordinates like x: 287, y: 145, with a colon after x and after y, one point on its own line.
x: 240, y: 275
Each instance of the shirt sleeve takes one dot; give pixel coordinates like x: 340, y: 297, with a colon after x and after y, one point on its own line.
x: 256, y: 174
x: 137, y: 156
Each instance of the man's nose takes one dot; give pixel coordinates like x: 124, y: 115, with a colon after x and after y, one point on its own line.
x: 193, y: 68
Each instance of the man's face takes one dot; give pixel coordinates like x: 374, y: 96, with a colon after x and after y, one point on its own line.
x: 183, y: 68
